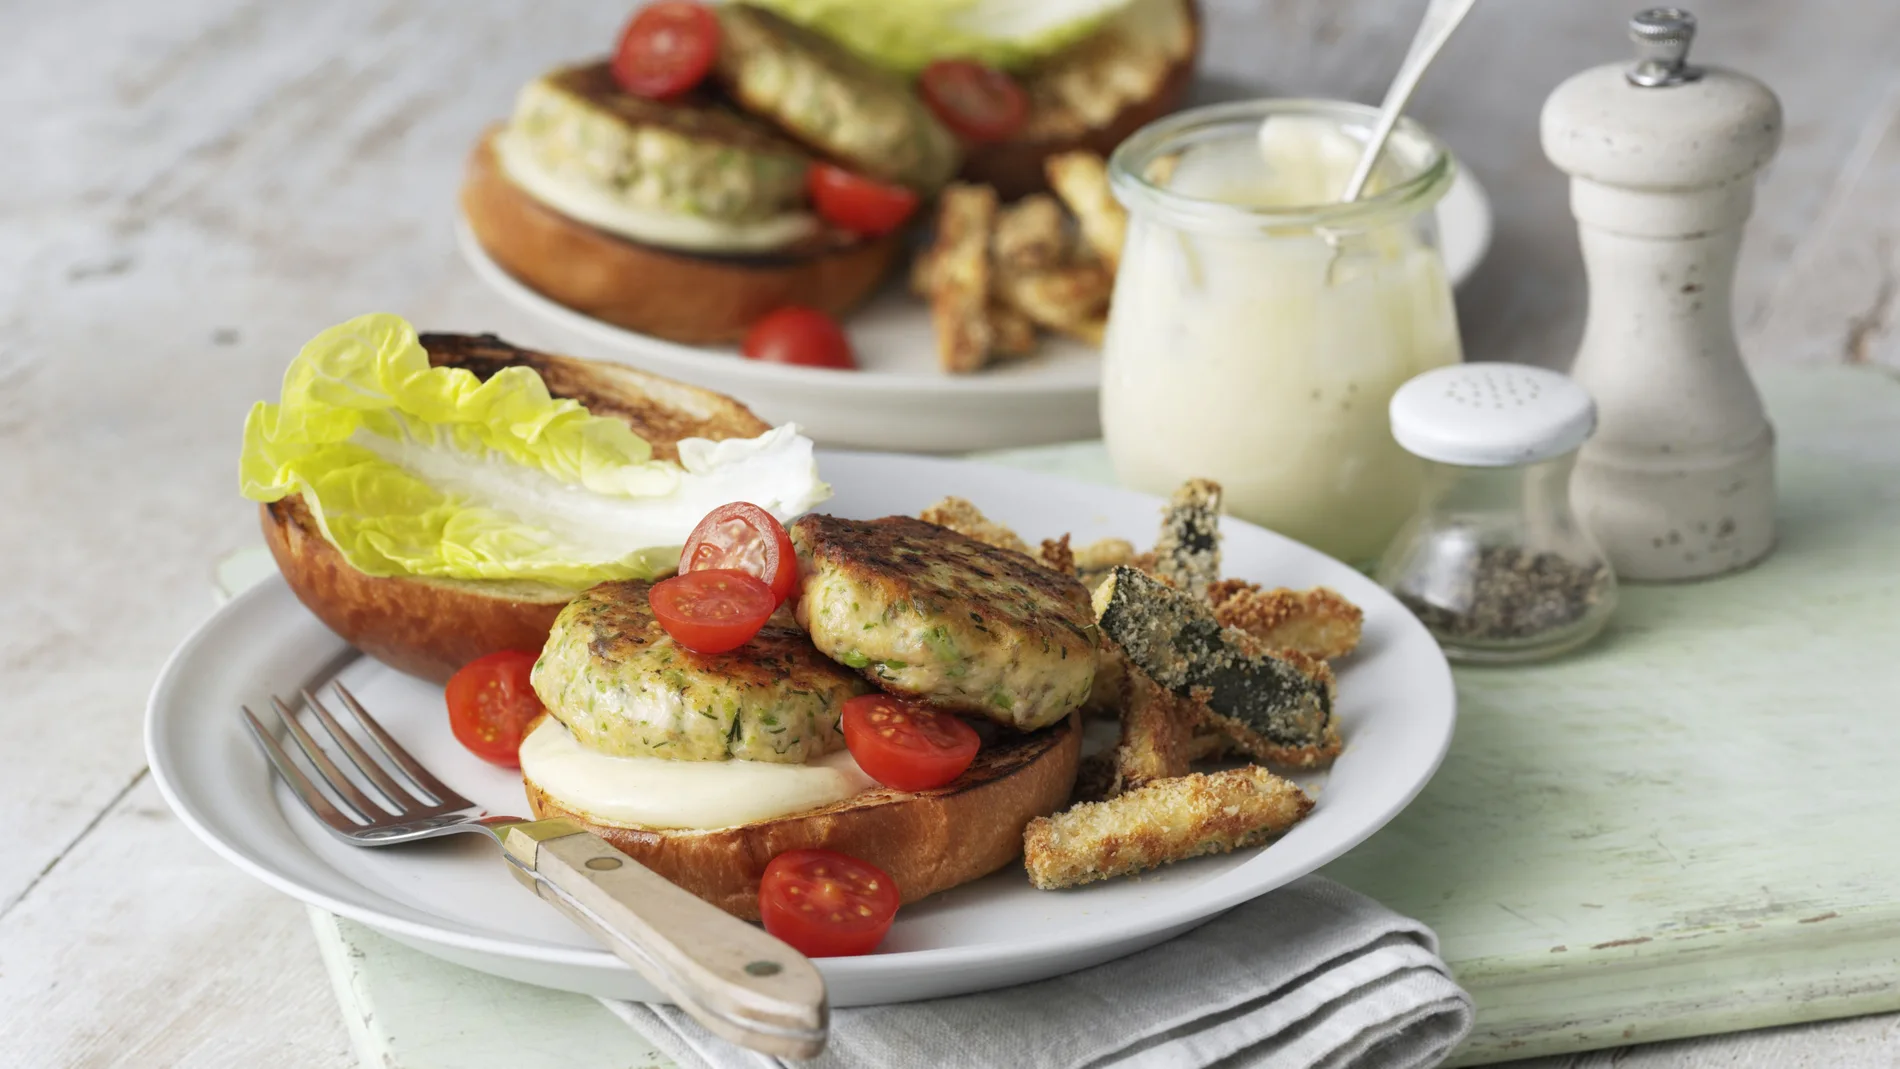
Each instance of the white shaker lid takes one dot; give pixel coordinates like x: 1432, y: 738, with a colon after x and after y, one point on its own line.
x: 1492, y: 415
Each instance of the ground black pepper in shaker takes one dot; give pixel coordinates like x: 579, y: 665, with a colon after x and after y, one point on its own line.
x: 1495, y: 563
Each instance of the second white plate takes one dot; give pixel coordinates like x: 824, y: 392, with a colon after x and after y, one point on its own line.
x: 898, y: 399
x: 455, y: 899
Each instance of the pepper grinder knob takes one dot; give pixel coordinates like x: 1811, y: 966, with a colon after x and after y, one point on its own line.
x: 1679, y: 481
x: 1662, y: 36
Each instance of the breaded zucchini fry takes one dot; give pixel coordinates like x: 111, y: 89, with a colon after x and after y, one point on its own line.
x: 1012, y: 333
x: 958, y: 277
x: 1316, y: 622
x: 1187, y: 552
x: 1156, y: 728
x: 1030, y: 235
x: 1168, y: 820
x: 1081, y: 180
x: 1284, y: 700
x: 1268, y: 748
x: 1094, y: 561
x: 1207, y: 742
x: 1057, y: 556
x: 966, y: 519
x: 1061, y: 298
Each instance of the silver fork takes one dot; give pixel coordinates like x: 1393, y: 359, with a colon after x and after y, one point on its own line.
x: 741, y: 983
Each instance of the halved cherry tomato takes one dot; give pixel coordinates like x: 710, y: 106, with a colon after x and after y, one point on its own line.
x: 743, y: 537
x: 978, y: 102
x: 712, y: 611
x: 826, y: 904
x: 803, y: 336
x: 853, y: 202
x: 907, y: 745
x: 666, y: 49
x: 490, y: 704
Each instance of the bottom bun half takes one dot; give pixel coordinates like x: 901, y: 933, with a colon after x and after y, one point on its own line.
x: 692, y: 298
x: 927, y: 841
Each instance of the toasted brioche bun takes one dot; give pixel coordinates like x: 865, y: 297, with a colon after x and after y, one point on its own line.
x: 693, y: 298
x: 929, y: 841
x: 431, y: 627
x: 1015, y: 167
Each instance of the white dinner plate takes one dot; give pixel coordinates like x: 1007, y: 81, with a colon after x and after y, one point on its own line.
x: 454, y: 897
x: 898, y: 399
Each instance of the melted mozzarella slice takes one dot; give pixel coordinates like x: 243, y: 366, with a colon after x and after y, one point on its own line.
x: 652, y: 792
x: 582, y: 201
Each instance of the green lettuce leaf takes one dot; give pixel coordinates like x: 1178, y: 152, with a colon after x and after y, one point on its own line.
x: 416, y: 470
x: 906, y: 35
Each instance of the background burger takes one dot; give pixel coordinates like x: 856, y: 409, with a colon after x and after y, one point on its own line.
x: 1021, y: 82
x: 724, y: 164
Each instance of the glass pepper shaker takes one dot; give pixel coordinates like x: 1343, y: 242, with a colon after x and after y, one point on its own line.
x: 1495, y: 562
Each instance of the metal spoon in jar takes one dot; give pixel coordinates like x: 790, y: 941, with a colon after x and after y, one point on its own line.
x: 1441, y: 18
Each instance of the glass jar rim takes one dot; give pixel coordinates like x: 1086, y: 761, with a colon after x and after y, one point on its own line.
x: 1128, y: 167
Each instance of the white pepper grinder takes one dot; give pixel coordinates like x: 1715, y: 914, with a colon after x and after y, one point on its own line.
x: 1679, y: 481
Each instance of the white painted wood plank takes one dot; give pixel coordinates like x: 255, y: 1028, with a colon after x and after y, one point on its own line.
x: 1839, y: 299
x: 143, y: 950
x: 407, y: 1010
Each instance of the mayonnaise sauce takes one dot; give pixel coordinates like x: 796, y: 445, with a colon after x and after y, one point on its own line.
x: 651, y: 792
x: 1263, y: 360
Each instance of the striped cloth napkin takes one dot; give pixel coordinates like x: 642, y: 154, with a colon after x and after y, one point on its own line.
x: 1312, y: 976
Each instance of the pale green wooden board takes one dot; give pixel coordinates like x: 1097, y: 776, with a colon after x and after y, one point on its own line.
x: 1691, y: 827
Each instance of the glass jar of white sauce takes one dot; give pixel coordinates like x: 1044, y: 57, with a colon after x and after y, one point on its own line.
x: 1259, y: 328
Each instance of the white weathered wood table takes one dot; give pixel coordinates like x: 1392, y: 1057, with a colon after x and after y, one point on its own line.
x: 188, y: 191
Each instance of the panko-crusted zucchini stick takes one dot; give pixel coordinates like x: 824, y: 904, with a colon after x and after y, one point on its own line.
x: 966, y: 519
x: 1094, y: 561
x: 1280, y: 705
x: 957, y: 277
x: 1168, y: 820
x: 1187, y: 552
x: 1156, y: 728
x: 1316, y: 622
x: 1081, y: 180
x: 1030, y: 235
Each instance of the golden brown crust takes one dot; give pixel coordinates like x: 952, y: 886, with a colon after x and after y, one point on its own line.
x: 1246, y: 740
x: 681, y: 296
x: 911, y: 560
x: 422, y: 627
x: 959, y: 515
x: 1081, y: 180
x: 1317, y: 622
x: 432, y: 627
x: 1057, y: 555
x: 1167, y: 821
x: 1015, y: 167
x: 957, y: 278
x: 1156, y: 729
x: 929, y: 841
x: 660, y: 410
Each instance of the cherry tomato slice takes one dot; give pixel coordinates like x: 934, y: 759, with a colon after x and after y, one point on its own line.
x: 907, y: 745
x: 802, y: 336
x: 850, y: 201
x: 712, y: 611
x: 826, y: 904
x: 490, y: 704
x: 742, y: 537
x: 978, y: 102
x: 666, y: 49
